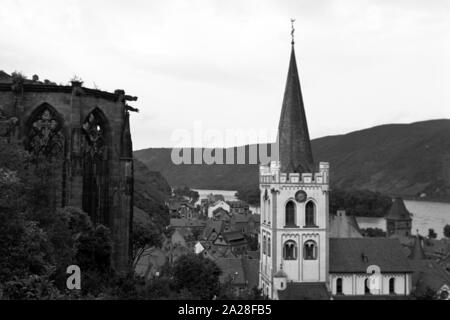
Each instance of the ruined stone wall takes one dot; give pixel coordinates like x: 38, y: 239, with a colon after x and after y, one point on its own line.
x: 89, y: 130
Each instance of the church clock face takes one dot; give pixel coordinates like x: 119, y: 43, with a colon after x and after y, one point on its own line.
x: 300, y: 196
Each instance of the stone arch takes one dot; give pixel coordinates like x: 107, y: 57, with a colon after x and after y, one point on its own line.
x: 310, y: 213
x: 46, y: 140
x: 96, y: 154
x: 44, y: 132
x: 290, y: 214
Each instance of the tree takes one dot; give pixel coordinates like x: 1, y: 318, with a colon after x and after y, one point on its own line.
x: 363, y: 203
x: 432, y: 234
x: 373, y: 232
x: 198, y: 275
x: 144, y: 237
x: 447, y: 231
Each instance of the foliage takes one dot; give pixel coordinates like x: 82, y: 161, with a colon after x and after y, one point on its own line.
x: 184, y: 191
x: 362, y: 203
x: 373, y: 232
x: 432, y: 234
x: 198, y: 275
x: 143, y: 237
x: 447, y: 231
x: 251, y: 195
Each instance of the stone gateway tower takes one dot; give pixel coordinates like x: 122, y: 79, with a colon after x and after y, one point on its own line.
x: 294, y: 204
x: 86, y: 133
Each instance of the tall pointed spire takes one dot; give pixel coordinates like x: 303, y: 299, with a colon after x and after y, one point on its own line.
x: 295, y: 153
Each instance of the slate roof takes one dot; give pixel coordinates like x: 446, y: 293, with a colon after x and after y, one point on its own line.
x: 428, y: 274
x: 304, y: 291
x: 398, y: 211
x: 295, y: 153
x: 356, y: 254
x: 233, y: 237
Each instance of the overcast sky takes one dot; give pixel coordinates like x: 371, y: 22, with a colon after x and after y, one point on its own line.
x: 362, y: 62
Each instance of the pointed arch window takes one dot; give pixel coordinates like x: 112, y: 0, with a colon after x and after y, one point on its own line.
x: 95, y: 167
x: 310, y: 214
x: 310, y: 250
x: 269, y: 246
x: 290, y: 214
x: 45, y: 140
x: 290, y: 250
x: 45, y: 136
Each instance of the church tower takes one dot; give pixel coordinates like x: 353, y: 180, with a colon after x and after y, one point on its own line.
x: 294, y: 203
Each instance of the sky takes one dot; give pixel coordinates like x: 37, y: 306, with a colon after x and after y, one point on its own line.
x: 219, y: 66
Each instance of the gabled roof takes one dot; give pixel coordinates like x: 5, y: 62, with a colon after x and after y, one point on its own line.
x: 304, y: 291
x: 295, y: 153
x: 356, y: 254
x: 398, y: 211
x: 428, y: 274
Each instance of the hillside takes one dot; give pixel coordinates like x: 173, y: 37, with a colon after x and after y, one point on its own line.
x: 151, y: 191
x: 396, y: 159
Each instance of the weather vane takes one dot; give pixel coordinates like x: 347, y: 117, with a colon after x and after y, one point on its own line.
x: 292, y: 30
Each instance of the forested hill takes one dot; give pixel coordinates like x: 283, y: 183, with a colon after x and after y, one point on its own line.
x: 396, y: 159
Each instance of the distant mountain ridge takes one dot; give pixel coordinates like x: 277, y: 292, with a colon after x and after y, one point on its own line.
x: 396, y: 159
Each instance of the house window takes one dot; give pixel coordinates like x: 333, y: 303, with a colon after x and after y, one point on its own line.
x: 310, y: 250
x: 290, y: 214
x: 264, y: 245
x: 366, y: 286
x: 392, y: 286
x: 310, y: 214
x: 339, y: 286
x: 269, y: 247
x: 290, y: 250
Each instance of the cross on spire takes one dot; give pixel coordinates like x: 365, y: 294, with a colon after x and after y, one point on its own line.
x: 292, y: 30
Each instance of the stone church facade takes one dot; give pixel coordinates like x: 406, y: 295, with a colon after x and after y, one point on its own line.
x: 87, y: 132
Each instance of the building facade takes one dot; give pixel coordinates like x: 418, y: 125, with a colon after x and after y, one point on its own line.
x: 86, y: 133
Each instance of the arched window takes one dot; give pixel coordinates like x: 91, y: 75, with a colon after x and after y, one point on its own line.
x: 264, y: 245
x: 95, y: 167
x: 45, y: 134
x: 310, y: 214
x: 45, y: 140
x: 290, y: 250
x: 391, y: 285
x: 269, y: 247
x: 339, y: 286
x: 366, y: 286
x: 290, y: 214
x: 310, y: 250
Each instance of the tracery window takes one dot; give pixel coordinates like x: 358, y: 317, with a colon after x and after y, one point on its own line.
x: 45, y: 137
x: 95, y: 167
